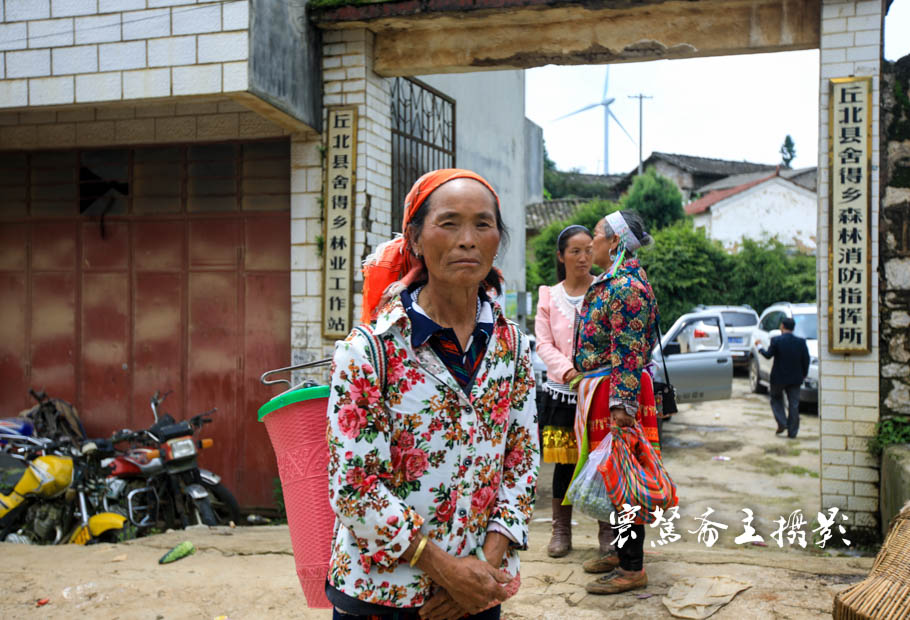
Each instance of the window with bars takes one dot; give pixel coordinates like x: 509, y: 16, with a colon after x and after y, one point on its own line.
x: 423, y: 137
x: 199, y: 178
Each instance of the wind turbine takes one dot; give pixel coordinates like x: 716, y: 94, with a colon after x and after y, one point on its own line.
x: 606, y: 102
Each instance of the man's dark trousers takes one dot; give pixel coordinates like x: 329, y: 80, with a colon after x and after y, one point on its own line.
x: 791, y: 421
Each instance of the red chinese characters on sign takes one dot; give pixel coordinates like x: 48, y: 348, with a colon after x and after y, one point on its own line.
x: 338, y: 215
x: 848, y: 276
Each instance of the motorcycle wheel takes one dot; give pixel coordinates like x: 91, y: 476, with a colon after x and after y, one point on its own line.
x: 205, y: 512
x: 223, y: 503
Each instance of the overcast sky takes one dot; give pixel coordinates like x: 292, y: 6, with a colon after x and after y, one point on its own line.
x: 734, y: 107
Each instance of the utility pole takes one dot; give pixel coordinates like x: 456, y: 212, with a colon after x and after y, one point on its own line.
x: 640, y: 98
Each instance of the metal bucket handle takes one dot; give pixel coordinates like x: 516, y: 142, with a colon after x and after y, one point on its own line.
x: 305, y: 383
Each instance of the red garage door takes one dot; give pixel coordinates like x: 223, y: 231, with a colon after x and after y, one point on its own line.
x: 126, y: 271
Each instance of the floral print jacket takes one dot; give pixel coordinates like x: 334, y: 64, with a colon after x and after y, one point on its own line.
x: 617, y: 330
x: 421, y: 454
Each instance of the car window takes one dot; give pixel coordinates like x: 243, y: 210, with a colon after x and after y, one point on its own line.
x: 771, y: 321
x: 739, y: 319
x: 806, y: 326
x: 699, y: 335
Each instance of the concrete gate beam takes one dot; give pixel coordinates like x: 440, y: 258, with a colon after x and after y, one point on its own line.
x: 442, y: 36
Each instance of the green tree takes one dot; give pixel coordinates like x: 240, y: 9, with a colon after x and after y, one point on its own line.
x: 656, y: 198
x: 764, y: 273
x: 788, y: 151
x: 685, y: 268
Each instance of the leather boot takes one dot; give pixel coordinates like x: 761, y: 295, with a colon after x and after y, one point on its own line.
x: 607, y: 559
x: 561, y: 539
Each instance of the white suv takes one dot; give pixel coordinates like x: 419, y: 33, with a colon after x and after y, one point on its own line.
x: 806, y: 318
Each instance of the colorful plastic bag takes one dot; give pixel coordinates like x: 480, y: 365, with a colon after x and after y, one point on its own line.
x: 634, y: 474
x: 587, y: 492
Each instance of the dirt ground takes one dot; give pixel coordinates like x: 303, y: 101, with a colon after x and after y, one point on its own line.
x: 248, y: 572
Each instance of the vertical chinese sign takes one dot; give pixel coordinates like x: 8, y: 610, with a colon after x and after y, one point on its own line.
x: 849, y: 249
x: 338, y: 213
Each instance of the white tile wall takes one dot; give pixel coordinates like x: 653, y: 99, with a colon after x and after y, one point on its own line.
x: 146, y: 84
x: 98, y: 87
x: 172, y: 51
x: 79, y: 59
x: 120, y: 56
x: 68, y: 8
x: 50, y: 33
x: 50, y: 91
x: 32, y: 63
x: 13, y: 36
x: 146, y: 24
x: 20, y: 10
x: 223, y: 47
x: 168, y: 47
x: 195, y: 20
x: 850, y: 45
x: 98, y: 29
x: 196, y: 80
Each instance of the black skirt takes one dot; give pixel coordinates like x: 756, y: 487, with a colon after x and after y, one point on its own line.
x: 556, y: 420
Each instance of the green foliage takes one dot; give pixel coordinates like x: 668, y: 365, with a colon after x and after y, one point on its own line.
x: 788, y: 151
x: 685, y: 269
x: 895, y: 430
x: 656, y: 198
x: 763, y: 274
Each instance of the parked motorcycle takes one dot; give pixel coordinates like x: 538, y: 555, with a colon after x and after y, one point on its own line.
x: 51, y: 418
x: 48, y: 491
x: 158, y: 477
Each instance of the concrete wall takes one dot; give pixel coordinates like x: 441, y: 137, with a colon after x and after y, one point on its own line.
x: 775, y: 208
x: 285, y: 60
x: 851, y: 44
x: 191, y: 120
x: 492, y: 140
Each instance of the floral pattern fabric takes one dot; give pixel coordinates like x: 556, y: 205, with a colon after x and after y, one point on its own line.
x: 424, y: 455
x: 617, y: 330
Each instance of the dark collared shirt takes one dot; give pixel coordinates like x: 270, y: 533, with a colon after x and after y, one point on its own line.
x: 462, y: 363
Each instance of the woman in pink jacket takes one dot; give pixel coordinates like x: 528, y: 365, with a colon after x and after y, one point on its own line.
x: 554, y: 328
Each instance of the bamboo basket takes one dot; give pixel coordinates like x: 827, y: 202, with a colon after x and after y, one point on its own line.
x: 885, y: 593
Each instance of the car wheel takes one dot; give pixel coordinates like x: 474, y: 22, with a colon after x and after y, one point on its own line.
x: 754, y: 378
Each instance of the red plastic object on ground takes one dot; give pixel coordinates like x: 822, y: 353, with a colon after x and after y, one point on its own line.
x: 296, y: 423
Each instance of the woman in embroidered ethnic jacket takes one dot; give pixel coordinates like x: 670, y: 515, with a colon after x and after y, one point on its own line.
x: 615, y: 337
x: 433, y: 469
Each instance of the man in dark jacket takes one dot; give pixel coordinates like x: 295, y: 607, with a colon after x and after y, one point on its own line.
x: 791, y: 365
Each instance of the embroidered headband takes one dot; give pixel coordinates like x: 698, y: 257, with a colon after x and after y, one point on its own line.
x: 619, y: 226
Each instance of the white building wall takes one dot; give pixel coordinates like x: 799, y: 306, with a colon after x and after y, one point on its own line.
x: 776, y: 208
x: 92, y: 51
x: 490, y: 140
x: 851, y: 44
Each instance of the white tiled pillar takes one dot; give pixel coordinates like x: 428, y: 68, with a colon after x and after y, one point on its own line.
x: 348, y: 79
x: 851, y: 45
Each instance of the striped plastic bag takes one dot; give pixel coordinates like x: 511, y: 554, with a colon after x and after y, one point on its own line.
x: 634, y: 474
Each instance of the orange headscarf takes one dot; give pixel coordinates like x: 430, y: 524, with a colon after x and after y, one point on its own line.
x: 392, y: 262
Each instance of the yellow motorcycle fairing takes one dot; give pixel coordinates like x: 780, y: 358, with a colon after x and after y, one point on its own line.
x: 47, y: 476
x: 97, y: 525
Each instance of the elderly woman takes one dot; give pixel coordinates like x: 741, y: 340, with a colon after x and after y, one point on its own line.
x: 432, y: 421
x: 617, y: 331
x: 554, y: 327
